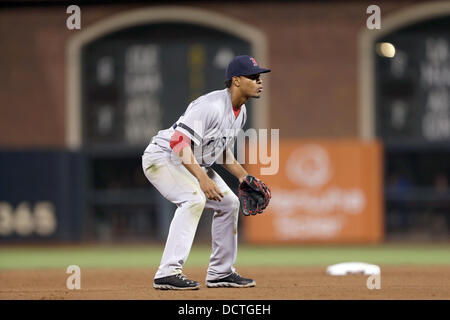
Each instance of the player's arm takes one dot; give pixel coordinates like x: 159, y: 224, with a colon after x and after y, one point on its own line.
x: 181, y: 146
x: 233, y: 166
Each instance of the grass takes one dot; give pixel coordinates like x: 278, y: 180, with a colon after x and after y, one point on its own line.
x: 149, y: 256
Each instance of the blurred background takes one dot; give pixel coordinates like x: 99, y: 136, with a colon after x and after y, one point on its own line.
x: 78, y: 106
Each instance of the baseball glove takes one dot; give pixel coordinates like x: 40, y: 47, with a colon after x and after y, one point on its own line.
x: 254, y: 196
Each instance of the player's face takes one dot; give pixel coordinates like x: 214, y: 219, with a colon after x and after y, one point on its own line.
x: 251, y: 85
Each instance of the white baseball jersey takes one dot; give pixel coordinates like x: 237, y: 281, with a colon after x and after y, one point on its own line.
x: 212, y: 126
x: 210, y: 123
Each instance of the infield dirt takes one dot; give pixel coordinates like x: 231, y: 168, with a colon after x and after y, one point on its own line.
x: 292, y: 283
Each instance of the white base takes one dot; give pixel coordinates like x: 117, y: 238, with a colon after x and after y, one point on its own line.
x: 342, y: 269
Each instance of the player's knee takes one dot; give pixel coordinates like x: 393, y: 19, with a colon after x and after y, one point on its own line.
x: 201, y: 198
x: 231, y: 201
x: 197, y: 204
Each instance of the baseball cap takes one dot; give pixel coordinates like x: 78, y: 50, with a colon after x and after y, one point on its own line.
x: 243, y: 66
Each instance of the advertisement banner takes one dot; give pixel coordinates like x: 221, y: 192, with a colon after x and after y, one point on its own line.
x: 323, y: 191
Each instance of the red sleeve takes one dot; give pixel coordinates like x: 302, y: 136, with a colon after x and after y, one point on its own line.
x: 178, y: 141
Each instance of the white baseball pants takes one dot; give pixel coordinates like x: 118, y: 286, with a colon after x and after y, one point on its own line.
x: 180, y: 187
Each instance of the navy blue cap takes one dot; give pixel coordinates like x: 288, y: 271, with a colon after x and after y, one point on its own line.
x: 243, y: 66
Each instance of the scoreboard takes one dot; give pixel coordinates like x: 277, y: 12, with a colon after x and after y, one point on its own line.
x: 140, y: 80
x: 413, y: 87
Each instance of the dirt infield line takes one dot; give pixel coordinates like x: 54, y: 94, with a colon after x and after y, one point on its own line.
x: 274, y: 283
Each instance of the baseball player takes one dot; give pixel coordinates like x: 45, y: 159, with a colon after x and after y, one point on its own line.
x: 177, y: 162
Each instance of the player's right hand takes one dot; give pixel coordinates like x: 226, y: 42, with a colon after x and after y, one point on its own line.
x: 210, y: 189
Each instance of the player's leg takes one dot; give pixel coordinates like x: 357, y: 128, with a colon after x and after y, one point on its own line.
x: 177, y: 185
x: 224, y: 234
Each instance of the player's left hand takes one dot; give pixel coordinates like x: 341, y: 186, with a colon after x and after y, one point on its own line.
x: 254, y: 195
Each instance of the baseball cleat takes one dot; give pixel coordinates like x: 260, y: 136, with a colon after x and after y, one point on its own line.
x: 234, y: 280
x: 176, y: 282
